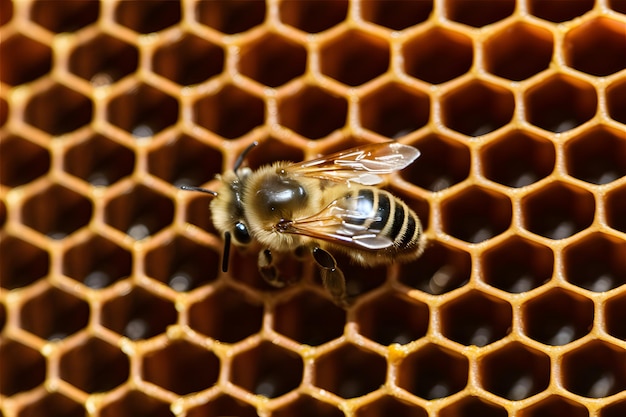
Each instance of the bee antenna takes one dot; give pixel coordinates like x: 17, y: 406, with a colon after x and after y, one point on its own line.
x: 226, y: 252
x: 202, y: 190
x: 243, y: 154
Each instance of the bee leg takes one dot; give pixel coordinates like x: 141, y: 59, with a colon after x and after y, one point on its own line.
x: 268, y: 269
x: 332, y: 277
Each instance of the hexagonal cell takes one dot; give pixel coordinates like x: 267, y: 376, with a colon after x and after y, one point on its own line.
x: 94, y: 366
x: 618, y: 6
x: 616, y: 101
x: 19, y: 68
x: 97, y: 262
x: 519, y: 51
x: 559, y: 11
x: 197, y: 212
x: 22, y: 263
x: 394, y: 110
x: 44, y: 112
x: 272, y: 60
x: 305, y: 406
x: 3, y: 317
x: 350, y: 371
x: 6, y: 12
x: 596, y: 263
x: 597, y: 47
x: 615, y: 209
x: 23, y: 368
x: 188, y: 60
x: 615, y: 314
x: 309, y: 319
x: 594, y: 370
x: 135, y: 403
x: 230, y: 112
x: 268, y: 370
x: 440, y: 269
x: 554, y: 405
x: 73, y: 15
x: 147, y: 17
x: 478, y: 13
x: 214, y: 316
x: 271, y: 150
x: 515, y: 372
x: 518, y: 159
x: 618, y: 408
x: 560, y: 103
x: 396, y: 14
x: 52, y: 405
x: 596, y: 156
x: 390, y: 406
x: 443, y: 162
x: 181, y: 367
x: 476, y: 214
x: 517, y: 265
x: 57, y: 211
x: 138, y: 314
x: 313, y: 112
x: 313, y: 16
x: 139, y: 212
x: 393, y: 319
x: 558, y: 210
x: 4, y: 111
x: 433, y: 372
x: 185, y: 161
x: 143, y: 111
x: 182, y: 264
x: 54, y: 314
x: 99, y: 160
x: 231, y: 16
x: 355, y: 57
x: 103, y: 59
x: 21, y: 161
x: 471, y: 407
x: 223, y: 405
x: 476, y: 319
x: 557, y: 317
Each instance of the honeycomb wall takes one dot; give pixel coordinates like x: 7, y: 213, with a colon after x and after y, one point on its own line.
x: 112, y: 302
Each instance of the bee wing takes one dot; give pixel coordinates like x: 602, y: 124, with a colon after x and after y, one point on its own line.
x: 362, y: 165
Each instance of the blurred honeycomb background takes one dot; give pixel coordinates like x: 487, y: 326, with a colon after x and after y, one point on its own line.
x: 111, y: 298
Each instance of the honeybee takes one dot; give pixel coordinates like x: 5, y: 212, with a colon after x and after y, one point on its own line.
x: 317, y: 208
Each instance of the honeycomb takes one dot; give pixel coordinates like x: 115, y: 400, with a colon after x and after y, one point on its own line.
x: 112, y: 302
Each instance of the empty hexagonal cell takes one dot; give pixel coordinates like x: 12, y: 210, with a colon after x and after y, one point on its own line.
x: 309, y: 319
x: 519, y: 51
x: 615, y: 316
x: 99, y: 161
x: 350, y: 371
x: 188, y: 60
x: 103, y: 59
x: 473, y: 406
x: 21, y: 161
x: 594, y: 370
x: 19, y: 68
x: 615, y: 208
x: 560, y: 103
x: 23, y: 368
x: 139, y: 212
x: 272, y: 59
x: 143, y: 110
x: 597, y: 155
x: 476, y: 214
x: 517, y: 265
x: 230, y: 112
x: 515, y: 372
x: 138, y: 314
x: 478, y: 13
x: 3, y: 316
x: 197, y: 212
x: 438, y: 55
x: 221, y: 406
x: 22, y: 263
x: 181, y: 367
x: 618, y: 408
x: 94, y: 366
x: 57, y: 211
x: 355, y: 57
x: 185, y: 161
x: 559, y: 11
x: 313, y: 16
x: 518, y: 159
x: 69, y: 18
x: 597, y: 47
x: 396, y: 14
x: 433, y: 372
x: 52, y: 405
x: 393, y: 319
x: 306, y: 406
x: 182, y: 264
x: 268, y: 370
x: 616, y: 101
x: 390, y: 406
x: 476, y: 319
x: 134, y: 404
x: 97, y: 262
x: 4, y: 111
x: 54, y: 314
x: 231, y: 16
x: 555, y: 405
x: 558, y: 210
x: 214, y: 316
x: 557, y: 317
x: 44, y: 112
x: 6, y: 12
x: 597, y: 262
x: 147, y: 17
x: 394, y: 110
x: 271, y: 150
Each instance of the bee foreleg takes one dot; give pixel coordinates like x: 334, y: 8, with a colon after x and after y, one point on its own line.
x: 332, y: 277
x: 268, y: 269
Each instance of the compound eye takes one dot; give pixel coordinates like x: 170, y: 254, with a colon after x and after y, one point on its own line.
x: 241, y: 233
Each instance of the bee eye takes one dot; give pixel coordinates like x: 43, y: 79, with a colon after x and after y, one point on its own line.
x: 241, y: 233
